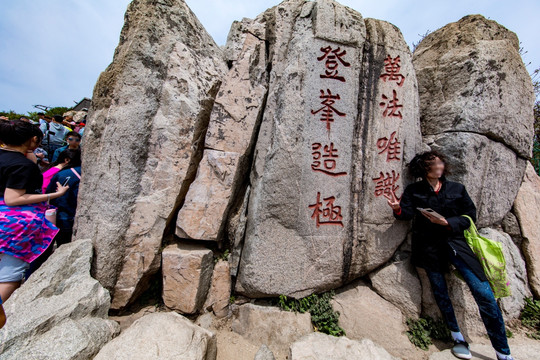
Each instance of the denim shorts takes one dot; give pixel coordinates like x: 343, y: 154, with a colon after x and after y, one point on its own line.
x: 12, y: 268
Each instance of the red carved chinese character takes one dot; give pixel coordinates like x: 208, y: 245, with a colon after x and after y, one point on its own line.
x: 392, y: 68
x: 332, y: 58
x: 331, y: 213
x: 386, y: 185
x: 328, y: 110
x: 328, y: 159
x: 392, y: 108
x: 392, y: 147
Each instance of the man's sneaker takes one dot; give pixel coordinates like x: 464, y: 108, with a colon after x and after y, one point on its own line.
x: 461, y: 350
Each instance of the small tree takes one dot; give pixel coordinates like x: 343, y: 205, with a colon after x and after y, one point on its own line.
x: 58, y: 110
x: 422, y: 37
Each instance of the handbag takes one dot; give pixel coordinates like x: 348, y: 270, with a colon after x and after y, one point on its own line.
x: 491, y: 257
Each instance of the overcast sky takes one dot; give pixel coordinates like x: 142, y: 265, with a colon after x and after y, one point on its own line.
x: 53, y: 51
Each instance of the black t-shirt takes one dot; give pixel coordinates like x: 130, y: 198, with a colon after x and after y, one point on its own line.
x: 18, y: 172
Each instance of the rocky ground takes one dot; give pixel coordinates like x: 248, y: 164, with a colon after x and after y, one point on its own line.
x: 62, y: 313
x: 233, y: 346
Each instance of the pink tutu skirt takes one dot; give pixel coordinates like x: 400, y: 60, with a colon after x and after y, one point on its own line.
x: 25, y: 233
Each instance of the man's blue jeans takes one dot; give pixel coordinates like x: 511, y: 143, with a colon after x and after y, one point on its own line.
x: 489, y: 310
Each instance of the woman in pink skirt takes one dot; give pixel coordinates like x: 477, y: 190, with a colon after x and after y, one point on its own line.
x: 24, y: 231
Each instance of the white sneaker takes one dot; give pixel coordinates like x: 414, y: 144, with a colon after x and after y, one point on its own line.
x: 461, y: 350
x: 505, y: 357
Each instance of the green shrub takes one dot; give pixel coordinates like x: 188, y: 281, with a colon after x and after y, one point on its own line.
x: 223, y: 256
x: 323, y: 316
x: 422, y: 331
x: 530, y: 317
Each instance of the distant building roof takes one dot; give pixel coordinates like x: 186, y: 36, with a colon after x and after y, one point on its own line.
x: 83, y: 104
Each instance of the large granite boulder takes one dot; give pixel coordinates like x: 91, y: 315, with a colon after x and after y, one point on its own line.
x: 527, y: 210
x: 398, y: 283
x: 363, y: 314
x: 187, y: 275
x: 270, y: 325
x: 60, y: 312
x: 476, y: 105
x: 471, y: 78
x: 229, y: 142
x: 341, y: 118
x: 319, y: 346
x: 144, y: 139
x: 162, y: 336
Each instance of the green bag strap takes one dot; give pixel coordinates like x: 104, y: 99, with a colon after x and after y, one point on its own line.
x: 472, y: 229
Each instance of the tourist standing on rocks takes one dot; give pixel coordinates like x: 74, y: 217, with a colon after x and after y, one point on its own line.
x: 67, y: 204
x: 65, y: 160
x: 438, y: 241
x: 54, y: 134
x: 24, y: 231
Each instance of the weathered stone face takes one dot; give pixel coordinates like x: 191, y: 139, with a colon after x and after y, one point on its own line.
x: 331, y: 144
x: 271, y: 325
x: 322, y: 346
x: 149, y: 114
x: 490, y: 171
x: 527, y: 211
x: 284, y: 184
x: 476, y: 102
x: 471, y: 78
x: 365, y: 315
x: 187, y: 275
x: 219, y: 293
x: 59, y: 304
x: 398, y: 284
x: 229, y: 142
x: 162, y: 336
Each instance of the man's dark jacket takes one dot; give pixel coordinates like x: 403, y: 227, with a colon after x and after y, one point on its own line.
x: 432, y: 243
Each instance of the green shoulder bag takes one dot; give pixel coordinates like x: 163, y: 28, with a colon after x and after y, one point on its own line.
x: 491, y: 257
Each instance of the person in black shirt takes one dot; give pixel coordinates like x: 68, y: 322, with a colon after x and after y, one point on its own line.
x: 24, y: 231
x: 438, y: 241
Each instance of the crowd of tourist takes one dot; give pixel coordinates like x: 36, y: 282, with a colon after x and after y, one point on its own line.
x: 40, y: 171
